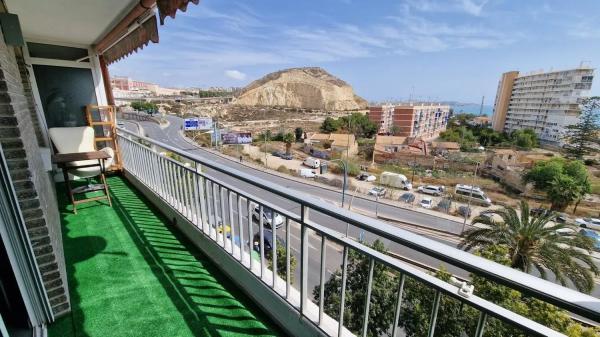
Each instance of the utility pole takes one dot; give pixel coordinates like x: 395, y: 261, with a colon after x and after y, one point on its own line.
x: 469, y: 201
x: 348, y: 148
x: 412, y: 180
x: 265, y: 145
x: 481, y: 107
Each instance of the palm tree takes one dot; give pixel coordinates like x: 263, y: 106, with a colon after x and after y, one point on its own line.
x: 288, y: 139
x: 536, y: 242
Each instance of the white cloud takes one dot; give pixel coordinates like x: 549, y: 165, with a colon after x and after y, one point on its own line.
x: 584, y: 30
x: 235, y: 74
x: 471, y: 7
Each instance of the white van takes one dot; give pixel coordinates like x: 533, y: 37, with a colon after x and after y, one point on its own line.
x: 473, y: 193
x: 307, y: 173
x: 395, y: 180
x: 312, y: 162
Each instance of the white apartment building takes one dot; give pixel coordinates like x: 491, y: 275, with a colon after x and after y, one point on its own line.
x: 546, y: 102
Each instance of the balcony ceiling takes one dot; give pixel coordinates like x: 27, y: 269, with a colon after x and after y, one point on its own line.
x: 79, y: 22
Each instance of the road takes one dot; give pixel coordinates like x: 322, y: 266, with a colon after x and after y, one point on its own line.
x: 171, y: 135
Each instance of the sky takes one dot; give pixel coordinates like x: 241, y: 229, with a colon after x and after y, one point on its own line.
x: 451, y: 50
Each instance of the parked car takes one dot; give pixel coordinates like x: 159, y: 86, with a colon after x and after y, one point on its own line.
x: 120, y: 124
x: 277, y: 153
x: 267, y: 216
x: 432, y: 189
x: 487, y: 214
x: 268, y: 240
x: 312, y: 162
x: 287, y: 156
x: 592, y: 223
x: 561, y: 218
x: 408, y: 198
x: 464, y: 211
x: 366, y: 177
x: 566, y: 231
x: 444, y: 205
x: 473, y: 194
x: 594, y: 236
x: 377, y: 191
x: 307, y: 173
x: 540, y: 211
x: 427, y: 202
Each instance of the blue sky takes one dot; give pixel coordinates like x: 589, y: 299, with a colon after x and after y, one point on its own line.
x: 438, y: 50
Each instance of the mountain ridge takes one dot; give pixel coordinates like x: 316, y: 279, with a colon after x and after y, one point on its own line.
x: 306, y: 88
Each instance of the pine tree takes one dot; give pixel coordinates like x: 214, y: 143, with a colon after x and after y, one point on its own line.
x: 584, y: 137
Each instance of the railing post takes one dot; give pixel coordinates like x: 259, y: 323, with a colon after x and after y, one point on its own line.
x: 343, y: 292
x: 250, y: 232
x: 434, y: 313
x: 398, y: 305
x: 274, y: 246
x: 231, y: 226
x: 303, y: 259
x: 261, y: 244
x: 240, y: 227
x: 322, y: 277
x: 368, y: 297
x: 288, y: 276
x: 481, y: 324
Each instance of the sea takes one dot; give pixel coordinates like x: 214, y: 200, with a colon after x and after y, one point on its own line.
x: 472, y: 108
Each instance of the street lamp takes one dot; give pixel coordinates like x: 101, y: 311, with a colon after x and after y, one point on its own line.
x: 345, y: 167
x: 468, y: 210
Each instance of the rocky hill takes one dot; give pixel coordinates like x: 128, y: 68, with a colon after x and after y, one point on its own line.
x: 305, y: 88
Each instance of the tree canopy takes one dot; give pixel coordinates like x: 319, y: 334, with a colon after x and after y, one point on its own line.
x: 454, y: 318
x: 357, y: 123
x: 144, y: 106
x: 564, y: 180
x: 525, y: 138
x: 535, y: 242
x: 298, y: 133
x: 583, y: 138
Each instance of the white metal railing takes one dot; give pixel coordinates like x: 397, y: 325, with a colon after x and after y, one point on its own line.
x: 223, y: 212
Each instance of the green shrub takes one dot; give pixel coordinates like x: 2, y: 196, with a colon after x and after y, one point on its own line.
x: 283, y: 169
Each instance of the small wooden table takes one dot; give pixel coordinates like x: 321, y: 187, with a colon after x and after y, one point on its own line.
x: 62, y: 160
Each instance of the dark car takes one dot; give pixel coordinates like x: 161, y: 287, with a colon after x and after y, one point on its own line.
x: 408, y: 198
x: 539, y: 211
x: 268, y: 239
x: 444, y: 205
x: 464, y: 211
x: 287, y: 156
x: 561, y: 218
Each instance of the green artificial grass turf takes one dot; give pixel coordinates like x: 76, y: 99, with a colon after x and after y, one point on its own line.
x: 131, y: 275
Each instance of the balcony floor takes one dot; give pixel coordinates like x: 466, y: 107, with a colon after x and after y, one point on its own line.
x: 130, y: 274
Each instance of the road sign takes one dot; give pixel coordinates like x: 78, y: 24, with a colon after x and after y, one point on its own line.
x: 190, y: 124
x: 204, y: 123
x: 237, y: 138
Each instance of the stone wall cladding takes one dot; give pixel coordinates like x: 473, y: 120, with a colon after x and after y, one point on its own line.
x: 21, y: 138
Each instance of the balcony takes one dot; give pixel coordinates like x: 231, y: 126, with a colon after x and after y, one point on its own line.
x: 130, y: 270
x: 207, y: 205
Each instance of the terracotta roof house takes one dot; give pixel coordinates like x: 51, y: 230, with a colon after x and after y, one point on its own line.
x: 345, y: 144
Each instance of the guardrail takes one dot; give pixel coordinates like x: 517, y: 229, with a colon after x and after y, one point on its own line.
x: 223, y: 212
x: 137, y: 116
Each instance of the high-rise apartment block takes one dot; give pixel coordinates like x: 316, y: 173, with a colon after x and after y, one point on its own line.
x: 423, y: 120
x: 545, y: 102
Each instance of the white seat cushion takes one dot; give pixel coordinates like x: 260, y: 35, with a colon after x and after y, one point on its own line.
x: 78, y: 139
